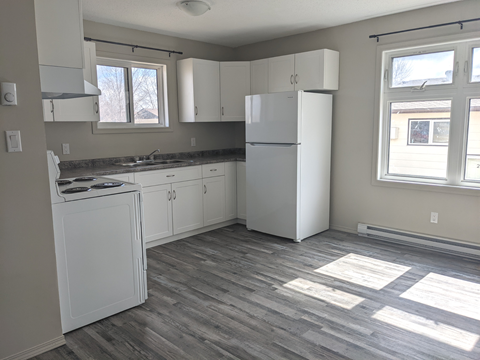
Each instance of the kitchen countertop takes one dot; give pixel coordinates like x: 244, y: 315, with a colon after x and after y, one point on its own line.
x: 105, y: 167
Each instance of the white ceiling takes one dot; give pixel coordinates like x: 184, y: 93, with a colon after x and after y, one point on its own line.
x: 235, y: 23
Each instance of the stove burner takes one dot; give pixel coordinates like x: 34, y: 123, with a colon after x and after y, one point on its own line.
x: 107, y: 185
x: 74, y: 190
x: 85, y: 178
x: 63, y: 182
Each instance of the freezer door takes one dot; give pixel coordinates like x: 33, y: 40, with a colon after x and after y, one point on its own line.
x: 273, y: 118
x: 272, y: 191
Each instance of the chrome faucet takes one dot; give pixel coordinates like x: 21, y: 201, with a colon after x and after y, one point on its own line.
x: 148, y: 156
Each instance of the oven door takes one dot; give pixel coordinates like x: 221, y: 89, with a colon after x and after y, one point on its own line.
x: 99, y: 254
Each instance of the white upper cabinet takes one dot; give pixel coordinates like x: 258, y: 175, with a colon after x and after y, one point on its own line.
x: 259, y: 77
x: 281, y: 73
x: 211, y: 90
x: 198, y: 90
x: 316, y: 70
x: 234, y: 86
x: 311, y: 70
x: 80, y: 109
x: 59, y: 38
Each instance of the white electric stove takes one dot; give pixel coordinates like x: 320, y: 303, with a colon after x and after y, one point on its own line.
x: 99, y: 246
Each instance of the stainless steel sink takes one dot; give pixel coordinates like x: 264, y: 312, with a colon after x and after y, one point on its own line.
x: 152, y: 162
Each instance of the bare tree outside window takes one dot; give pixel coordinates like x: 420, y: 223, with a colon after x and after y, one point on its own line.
x: 113, y: 101
x: 145, y: 95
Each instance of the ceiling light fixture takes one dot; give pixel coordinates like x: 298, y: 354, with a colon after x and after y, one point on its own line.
x: 194, y: 8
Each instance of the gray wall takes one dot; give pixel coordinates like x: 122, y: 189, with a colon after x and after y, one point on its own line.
x: 353, y: 197
x: 86, y: 145
x: 29, y: 305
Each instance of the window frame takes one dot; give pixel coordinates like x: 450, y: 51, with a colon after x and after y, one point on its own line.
x: 459, y: 92
x: 162, y: 92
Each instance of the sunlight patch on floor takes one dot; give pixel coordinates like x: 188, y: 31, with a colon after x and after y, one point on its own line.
x: 325, y: 293
x: 446, y: 293
x: 435, y: 330
x: 363, y: 270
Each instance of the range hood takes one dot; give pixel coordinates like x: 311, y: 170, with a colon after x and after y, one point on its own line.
x: 65, y: 83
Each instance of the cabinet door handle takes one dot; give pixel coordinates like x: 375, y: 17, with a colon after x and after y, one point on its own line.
x: 52, y: 106
x: 223, y: 113
x: 171, y: 175
x: 174, y: 195
x: 169, y: 196
x: 291, y: 79
x: 204, y: 189
x: 296, y: 78
x: 213, y: 169
x: 196, y: 110
x: 96, y: 107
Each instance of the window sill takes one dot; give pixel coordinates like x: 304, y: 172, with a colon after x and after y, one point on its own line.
x: 421, y: 186
x: 131, y: 130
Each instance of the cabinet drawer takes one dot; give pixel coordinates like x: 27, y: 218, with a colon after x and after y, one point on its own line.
x: 211, y: 170
x: 167, y: 176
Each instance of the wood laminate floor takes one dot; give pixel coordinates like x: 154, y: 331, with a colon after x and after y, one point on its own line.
x: 235, y: 294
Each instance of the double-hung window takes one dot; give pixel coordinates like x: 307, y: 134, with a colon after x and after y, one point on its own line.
x: 430, y: 115
x: 133, y: 94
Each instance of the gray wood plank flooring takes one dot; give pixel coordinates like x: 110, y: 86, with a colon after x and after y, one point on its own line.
x: 235, y: 294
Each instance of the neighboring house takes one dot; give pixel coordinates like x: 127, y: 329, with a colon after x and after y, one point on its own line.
x: 419, y: 138
x: 146, y: 116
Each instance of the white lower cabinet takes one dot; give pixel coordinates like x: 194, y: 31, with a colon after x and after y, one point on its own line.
x: 241, y: 190
x: 187, y: 199
x: 157, y: 207
x: 230, y: 190
x: 213, y: 200
x: 128, y: 177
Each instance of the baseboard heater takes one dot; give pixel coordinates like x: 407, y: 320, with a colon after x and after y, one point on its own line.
x: 448, y: 246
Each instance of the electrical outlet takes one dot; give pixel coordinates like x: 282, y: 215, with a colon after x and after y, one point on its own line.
x: 434, y: 217
x: 193, y: 142
x: 66, y: 149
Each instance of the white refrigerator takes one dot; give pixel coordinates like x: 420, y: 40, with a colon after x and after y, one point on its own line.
x: 288, y: 151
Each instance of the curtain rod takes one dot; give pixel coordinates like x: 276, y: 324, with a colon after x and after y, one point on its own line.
x: 459, y: 22
x: 170, y: 52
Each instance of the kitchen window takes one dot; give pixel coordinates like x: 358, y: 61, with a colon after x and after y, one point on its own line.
x: 430, y: 115
x: 133, y: 95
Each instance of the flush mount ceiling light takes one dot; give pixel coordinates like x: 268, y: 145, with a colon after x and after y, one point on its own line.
x: 194, y: 8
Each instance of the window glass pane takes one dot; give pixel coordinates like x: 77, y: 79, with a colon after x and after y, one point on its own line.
x: 414, y: 70
x: 419, y: 132
x: 145, y: 95
x: 475, y: 65
x: 421, y: 126
x: 472, y: 167
x: 440, y: 132
x: 113, y: 101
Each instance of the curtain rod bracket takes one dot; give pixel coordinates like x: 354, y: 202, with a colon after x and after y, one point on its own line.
x: 461, y: 25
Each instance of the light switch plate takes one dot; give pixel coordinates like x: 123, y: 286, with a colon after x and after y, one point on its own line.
x: 66, y: 149
x: 14, y: 142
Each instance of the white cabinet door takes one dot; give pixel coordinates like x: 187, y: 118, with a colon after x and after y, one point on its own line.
x: 187, y: 199
x: 213, y: 200
x: 234, y: 86
x: 241, y: 190
x: 157, y: 205
x: 259, y: 77
x: 206, y: 84
x: 316, y: 70
x: 80, y: 109
x: 59, y: 38
x: 281, y: 71
x: 230, y: 190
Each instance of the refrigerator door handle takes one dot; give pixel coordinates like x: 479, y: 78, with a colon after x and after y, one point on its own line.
x: 274, y: 144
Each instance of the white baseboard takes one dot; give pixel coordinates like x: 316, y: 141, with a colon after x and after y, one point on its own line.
x: 38, y: 349
x: 191, y: 233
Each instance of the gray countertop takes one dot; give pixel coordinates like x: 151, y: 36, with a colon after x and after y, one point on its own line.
x: 107, y: 167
